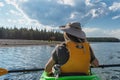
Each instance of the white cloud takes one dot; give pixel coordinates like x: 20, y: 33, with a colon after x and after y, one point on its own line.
x: 23, y: 0
x: 24, y: 17
x: 22, y: 21
x: 115, y: 6
x: 116, y: 17
x: 115, y: 33
x: 15, y: 13
x: 99, y: 32
x: 89, y: 30
x: 93, y: 3
x: 74, y: 15
x: 88, y: 3
x: 93, y: 12
x: 96, y: 8
x: 67, y: 2
x: 59, y: 12
x: 12, y: 21
x: 14, y: 3
x: 1, y: 4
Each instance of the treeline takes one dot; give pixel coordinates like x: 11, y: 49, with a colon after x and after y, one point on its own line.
x: 31, y: 34
x: 103, y: 39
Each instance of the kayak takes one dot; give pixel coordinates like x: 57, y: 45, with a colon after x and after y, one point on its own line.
x: 89, y: 77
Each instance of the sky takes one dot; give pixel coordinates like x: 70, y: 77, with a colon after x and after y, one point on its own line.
x: 99, y: 18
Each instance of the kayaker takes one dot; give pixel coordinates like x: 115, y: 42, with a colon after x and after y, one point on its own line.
x: 75, y: 55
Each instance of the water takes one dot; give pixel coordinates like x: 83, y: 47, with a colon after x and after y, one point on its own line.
x: 28, y: 57
x: 108, y: 53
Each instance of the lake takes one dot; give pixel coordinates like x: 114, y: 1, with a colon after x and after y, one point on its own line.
x: 27, y: 57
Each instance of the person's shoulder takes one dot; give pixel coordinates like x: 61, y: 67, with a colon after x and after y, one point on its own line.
x: 61, y: 45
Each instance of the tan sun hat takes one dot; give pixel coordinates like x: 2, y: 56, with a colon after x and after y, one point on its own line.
x: 74, y: 29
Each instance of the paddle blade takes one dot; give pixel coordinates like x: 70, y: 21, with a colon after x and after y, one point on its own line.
x: 3, y: 71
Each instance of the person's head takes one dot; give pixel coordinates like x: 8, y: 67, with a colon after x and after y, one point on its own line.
x: 73, y: 31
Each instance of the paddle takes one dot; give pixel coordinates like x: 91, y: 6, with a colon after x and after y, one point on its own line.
x: 110, y: 65
x: 5, y: 71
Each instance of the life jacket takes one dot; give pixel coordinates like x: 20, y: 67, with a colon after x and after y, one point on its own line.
x: 79, y: 58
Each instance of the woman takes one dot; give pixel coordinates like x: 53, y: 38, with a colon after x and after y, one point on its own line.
x: 75, y: 54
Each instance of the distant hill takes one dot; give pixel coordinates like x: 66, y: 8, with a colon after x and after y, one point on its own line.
x: 103, y: 39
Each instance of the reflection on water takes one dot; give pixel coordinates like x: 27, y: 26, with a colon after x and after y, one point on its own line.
x: 27, y: 57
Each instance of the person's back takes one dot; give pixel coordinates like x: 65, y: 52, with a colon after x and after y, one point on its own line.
x: 79, y: 58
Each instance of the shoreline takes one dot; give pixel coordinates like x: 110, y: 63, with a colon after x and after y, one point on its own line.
x: 20, y: 42
x: 17, y: 42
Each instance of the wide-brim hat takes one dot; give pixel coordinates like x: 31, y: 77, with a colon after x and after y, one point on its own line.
x: 74, y: 29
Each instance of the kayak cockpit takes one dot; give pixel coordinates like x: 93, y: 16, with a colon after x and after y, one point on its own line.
x: 72, y: 77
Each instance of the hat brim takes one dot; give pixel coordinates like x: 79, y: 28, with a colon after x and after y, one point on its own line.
x: 75, y: 32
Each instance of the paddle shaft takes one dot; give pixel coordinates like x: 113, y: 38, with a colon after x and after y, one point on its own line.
x: 25, y: 70
x: 110, y: 65
x: 41, y: 69
x: 5, y: 71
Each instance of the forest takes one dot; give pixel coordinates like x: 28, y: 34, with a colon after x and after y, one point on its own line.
x: 43, y: 34
x: 29, y: 34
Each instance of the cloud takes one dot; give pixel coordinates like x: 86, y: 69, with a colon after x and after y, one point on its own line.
x: 1, y: 4
x: 16, y: 3
x: 59, y: 12
x: 100, y: 32
x: 89, y: 30
x: 95, y: 12
x: 115, y: 6
x: 116, y: 17
x: 115, y: 33
x: 12, y: 21
x: 15, y: 13
x: 66, y: 2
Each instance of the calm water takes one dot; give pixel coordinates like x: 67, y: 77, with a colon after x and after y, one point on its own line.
x: 27, y: 57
